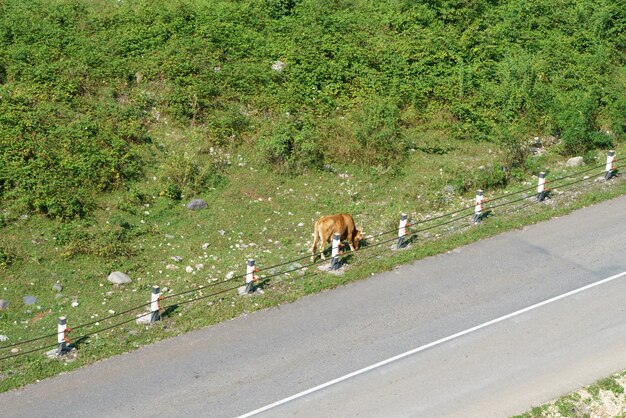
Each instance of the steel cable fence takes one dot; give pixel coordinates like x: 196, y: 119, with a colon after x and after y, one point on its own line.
x: 266, y: 278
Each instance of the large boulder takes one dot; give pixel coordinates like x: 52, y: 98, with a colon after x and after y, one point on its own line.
x: 117, y: 277
x: 197, y: 204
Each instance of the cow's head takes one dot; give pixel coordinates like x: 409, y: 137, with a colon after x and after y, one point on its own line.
x: 360, y: 235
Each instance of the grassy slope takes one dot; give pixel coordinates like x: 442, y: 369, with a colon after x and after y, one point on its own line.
x: 258, y: 205
x: 254, y: 226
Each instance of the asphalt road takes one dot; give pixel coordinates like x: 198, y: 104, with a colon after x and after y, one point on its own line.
x: 469, y: 350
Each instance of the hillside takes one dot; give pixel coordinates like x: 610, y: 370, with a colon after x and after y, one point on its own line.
x: 115, y: 114
x: 87, y: 87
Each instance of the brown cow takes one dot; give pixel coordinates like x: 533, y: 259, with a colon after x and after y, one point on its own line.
x: 341, y: 224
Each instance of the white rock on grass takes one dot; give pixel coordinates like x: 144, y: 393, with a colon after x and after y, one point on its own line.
x: 278, y: 66
x: 189, y: 269
x: 3, y: 338
x: 197, y: 204
x: 29, y: 300
x: 171, y: 267
x: 177, y: 258
x: 199, y: 266
x: 117, y: 277
x: 575, y: 162
x: 143, y: 319
x: 230, y: 275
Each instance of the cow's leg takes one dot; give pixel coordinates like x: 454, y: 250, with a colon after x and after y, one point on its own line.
x: 324, y: 241
x: 315, y: 242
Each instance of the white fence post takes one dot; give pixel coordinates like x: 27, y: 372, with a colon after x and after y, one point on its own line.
x: 609, y: 165
x: 541, y: 191
x: 402, y: 231
x: 478, y: 208
x: 335, y: 264
x: 62, y: 339
x: 154, y: 304
x: 250, y: 278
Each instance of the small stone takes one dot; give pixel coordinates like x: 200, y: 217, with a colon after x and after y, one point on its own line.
x: 29, y: 300
x: 449, y: 188
x: 57, y: 287
x: 278, y: 66
x: 177, y: 258
x: 205, y: 245
x: 171, y: 267
x: 189, y: 269
x: 536, y: 142
x: 221, y: 232
x: 74, y: 303
x: 143, y: 319
x: 4, y: 304
x: 199, y: 266
x: 295, y: 266
x: 109, y: 294
x: 575, y: 162
x: 230, y: 275
x: 117, y: 277
x: 168, y: 236
x: 197, y: 204
x: 3, y: 338
x: 15, y: 350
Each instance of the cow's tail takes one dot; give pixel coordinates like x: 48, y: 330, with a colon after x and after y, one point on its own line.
x: 316, y: 234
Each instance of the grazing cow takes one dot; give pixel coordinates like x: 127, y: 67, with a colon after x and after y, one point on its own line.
x: 341, y: 224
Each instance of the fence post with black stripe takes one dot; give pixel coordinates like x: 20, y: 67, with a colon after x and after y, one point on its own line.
x: 250, y: 277
x: 402, y: 232
x: 478, y: 208
x: 62, y: 339
x: 335, y: 264
x: 610, y: 167
x: 541, y: 191
x: 154, y: 304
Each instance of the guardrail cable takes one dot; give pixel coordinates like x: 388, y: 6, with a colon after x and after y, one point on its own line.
x: 411, y: 229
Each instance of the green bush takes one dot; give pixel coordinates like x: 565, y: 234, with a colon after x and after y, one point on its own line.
x: 7, y: 257
x: 378, y: 131
x: 292, y: 145
x: 577, y: 124
x: 490, y: 177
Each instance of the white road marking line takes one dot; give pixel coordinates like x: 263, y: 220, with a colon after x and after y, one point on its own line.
x: 429, y: 345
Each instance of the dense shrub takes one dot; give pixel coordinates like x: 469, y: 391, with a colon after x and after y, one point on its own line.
x: 79, y: 82
x: 292, y: 145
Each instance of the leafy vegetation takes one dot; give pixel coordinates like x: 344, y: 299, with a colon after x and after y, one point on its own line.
x: 83, y: 83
